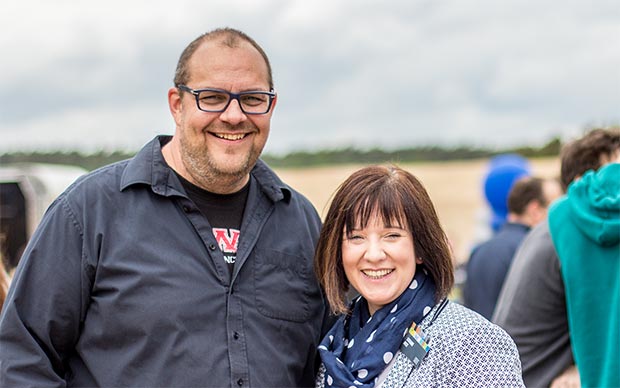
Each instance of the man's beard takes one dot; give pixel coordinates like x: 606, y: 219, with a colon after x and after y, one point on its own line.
x: 207, y: 171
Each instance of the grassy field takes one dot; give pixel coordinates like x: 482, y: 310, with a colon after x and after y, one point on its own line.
x: 456, y: 189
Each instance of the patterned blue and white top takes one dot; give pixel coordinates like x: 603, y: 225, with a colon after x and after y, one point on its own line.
x: 466, y: 351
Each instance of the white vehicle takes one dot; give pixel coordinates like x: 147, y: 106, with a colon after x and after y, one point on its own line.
x: 26, y: 191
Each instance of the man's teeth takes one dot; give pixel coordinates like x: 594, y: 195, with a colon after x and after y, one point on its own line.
x: 230, y: 136
x: 377, y: 274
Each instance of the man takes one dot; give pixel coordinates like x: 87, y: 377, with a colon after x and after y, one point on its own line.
x: 188, y: 265
x: 532, y: 303
x: 488, y: 264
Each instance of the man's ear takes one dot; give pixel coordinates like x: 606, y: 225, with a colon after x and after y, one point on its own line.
x: 273, y: 103
x: 175, y: 103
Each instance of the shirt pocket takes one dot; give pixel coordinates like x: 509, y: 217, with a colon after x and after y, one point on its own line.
x: 283, y: 285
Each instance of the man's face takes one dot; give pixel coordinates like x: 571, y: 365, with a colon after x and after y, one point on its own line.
x: 225, y: 145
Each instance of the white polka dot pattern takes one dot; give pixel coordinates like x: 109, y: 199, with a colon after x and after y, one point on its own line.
x: 492, y: 361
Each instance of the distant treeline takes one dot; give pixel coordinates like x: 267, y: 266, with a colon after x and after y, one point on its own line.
x: 417, y: 154
x: 302, y: 158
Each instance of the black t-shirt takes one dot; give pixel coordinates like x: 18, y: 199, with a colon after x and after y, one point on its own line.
x: 224, y: 212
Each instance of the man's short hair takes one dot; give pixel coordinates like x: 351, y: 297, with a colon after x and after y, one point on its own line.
x: 524, y: 191
x: 229, y: 37
x: 586, y: 153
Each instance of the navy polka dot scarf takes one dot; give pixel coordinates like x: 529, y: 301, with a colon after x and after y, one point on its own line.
x: 359, y: 347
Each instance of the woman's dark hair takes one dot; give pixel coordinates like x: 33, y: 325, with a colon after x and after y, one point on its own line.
x: 397, y: 197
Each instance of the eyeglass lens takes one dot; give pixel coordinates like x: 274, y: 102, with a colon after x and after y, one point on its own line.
x: 217, y: 101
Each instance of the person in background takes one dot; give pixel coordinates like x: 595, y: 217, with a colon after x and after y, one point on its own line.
x: 5, y: 281
x: 585, y: 230
x: 382, y: 236
x: 189, y: 265
x: 501, y: 173
x: 532, y: 305
x: 488, y: 264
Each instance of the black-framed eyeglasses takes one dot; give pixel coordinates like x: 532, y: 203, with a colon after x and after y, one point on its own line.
x: 217, y: 100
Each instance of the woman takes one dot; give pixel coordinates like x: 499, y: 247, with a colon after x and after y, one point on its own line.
x: 382, y: 236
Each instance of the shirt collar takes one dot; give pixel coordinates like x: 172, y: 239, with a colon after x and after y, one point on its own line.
x: 149, y: 167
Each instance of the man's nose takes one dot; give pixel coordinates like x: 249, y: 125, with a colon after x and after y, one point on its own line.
x: 233, y: 113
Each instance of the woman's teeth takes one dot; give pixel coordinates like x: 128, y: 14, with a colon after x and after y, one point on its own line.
x: 377, y: 274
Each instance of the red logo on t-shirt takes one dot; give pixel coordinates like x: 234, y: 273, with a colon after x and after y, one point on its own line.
x: 227, y: 239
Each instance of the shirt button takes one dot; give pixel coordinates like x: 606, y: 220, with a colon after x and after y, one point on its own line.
x: 212, y: 247
x: 240, y: 382
x: 236, y: 335
x: 186, y: 209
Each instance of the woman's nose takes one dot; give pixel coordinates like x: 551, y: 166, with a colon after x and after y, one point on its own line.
x: 374, y: 251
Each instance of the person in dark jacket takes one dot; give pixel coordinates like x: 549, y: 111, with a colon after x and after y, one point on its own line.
x: 488, y: 264
x: 187, y: 265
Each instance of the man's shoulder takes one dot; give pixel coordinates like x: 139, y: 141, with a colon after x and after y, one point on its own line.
x: 535, y: 264
x: 533, y: 285
x: 277, y: 189
x: 101, y: 179
x: 536, y: 250
x: 489, y: 254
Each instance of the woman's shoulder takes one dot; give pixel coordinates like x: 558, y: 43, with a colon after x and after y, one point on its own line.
x: 459, y: 319
x: 460, y: 332
x: 468, y: 350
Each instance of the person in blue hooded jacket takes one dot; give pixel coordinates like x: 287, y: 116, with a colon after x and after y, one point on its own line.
x: 585, y: 229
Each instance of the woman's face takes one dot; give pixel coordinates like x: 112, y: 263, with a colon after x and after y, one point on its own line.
x: 379, y: 261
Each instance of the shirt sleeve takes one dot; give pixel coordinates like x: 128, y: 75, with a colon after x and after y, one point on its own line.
x: 41, y: 317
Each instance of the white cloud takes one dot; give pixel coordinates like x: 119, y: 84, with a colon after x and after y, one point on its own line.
x: 365, y: 73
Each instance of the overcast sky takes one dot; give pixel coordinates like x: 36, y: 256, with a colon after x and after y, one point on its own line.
x: 89, y: 75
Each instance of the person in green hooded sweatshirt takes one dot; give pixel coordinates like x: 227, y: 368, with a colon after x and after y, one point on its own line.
x: 534, y: 303
x: 585, y: 229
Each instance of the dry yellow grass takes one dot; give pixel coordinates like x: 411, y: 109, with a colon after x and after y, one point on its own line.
x: 456, y: 189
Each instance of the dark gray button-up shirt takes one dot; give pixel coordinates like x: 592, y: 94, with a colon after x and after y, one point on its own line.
x: 123, y: 284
